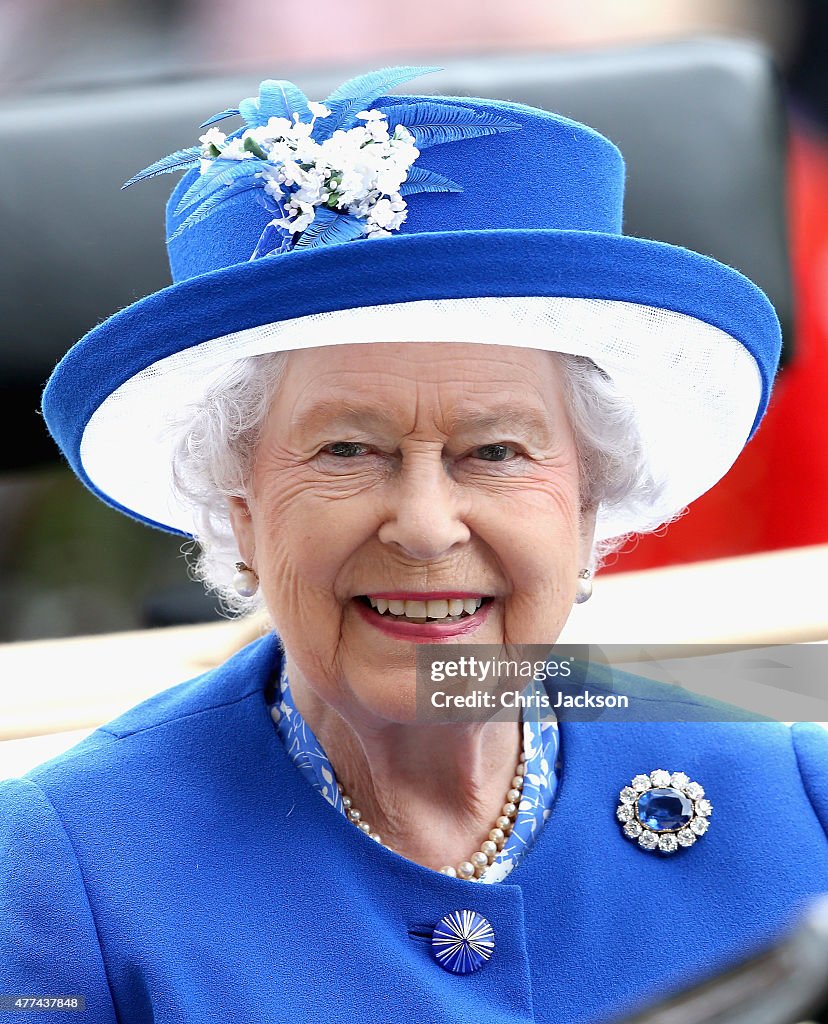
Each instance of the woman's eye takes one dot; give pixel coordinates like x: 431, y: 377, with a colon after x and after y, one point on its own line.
x: 484, y: 453
x: 495, y: 452
x: 344, y: 449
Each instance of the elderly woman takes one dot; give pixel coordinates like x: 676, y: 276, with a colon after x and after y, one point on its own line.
x: 410, y: 385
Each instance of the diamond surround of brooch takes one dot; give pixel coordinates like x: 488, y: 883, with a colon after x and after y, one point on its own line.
x: 664, y: 812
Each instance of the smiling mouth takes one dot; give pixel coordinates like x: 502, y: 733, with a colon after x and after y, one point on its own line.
x: 452, y: 610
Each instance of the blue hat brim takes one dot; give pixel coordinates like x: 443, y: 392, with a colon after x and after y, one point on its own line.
x: 394, y: 269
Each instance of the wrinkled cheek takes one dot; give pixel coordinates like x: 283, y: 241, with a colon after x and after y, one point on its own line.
x: 303, y: 569
x: 298, y: 555
x: 537, y: 615
x: 309, y: 620
x: 520, y: 619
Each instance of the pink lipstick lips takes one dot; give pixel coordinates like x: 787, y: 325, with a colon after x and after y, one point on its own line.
x: 424, y: 632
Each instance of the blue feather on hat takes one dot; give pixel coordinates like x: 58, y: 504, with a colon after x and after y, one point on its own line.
x: 425, y: 124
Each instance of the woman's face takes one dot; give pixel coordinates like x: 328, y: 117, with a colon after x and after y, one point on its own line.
x: 412, y: 469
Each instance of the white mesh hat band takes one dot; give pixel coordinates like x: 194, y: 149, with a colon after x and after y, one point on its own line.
x: 695, y: 388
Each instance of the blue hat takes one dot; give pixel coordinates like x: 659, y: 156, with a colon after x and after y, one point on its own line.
x: 377, y: 218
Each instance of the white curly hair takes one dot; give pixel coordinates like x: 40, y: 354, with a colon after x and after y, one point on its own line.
x: 217, y: 441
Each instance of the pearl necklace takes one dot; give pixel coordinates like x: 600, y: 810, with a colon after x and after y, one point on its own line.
x: 474, y: 867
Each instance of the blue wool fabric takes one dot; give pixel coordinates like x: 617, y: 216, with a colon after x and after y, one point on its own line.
x: 540, y: 745
x: 550, y: 173
x: 172, y: 867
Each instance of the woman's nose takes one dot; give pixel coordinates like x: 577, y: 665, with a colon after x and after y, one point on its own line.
x: 424, y: 518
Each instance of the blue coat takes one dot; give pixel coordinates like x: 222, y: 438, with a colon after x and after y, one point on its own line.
x: 176, y: 867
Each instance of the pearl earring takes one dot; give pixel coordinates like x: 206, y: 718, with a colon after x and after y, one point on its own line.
x: 583, y: 591
x: 245, y: 582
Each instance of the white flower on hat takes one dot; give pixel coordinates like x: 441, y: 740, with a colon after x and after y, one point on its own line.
x: 385, y: 214
x: 234, y: 150
x: 213, y: 137
x: 301, y: 215
x: 358, y: 170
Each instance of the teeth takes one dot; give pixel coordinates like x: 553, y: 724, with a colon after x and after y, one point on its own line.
x: 422, y: 610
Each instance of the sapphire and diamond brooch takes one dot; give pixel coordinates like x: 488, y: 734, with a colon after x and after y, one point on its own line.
x: 664, y: 811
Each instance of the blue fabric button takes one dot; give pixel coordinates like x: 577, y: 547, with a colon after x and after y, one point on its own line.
x: 462, y: 941
x: 664, y: 809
